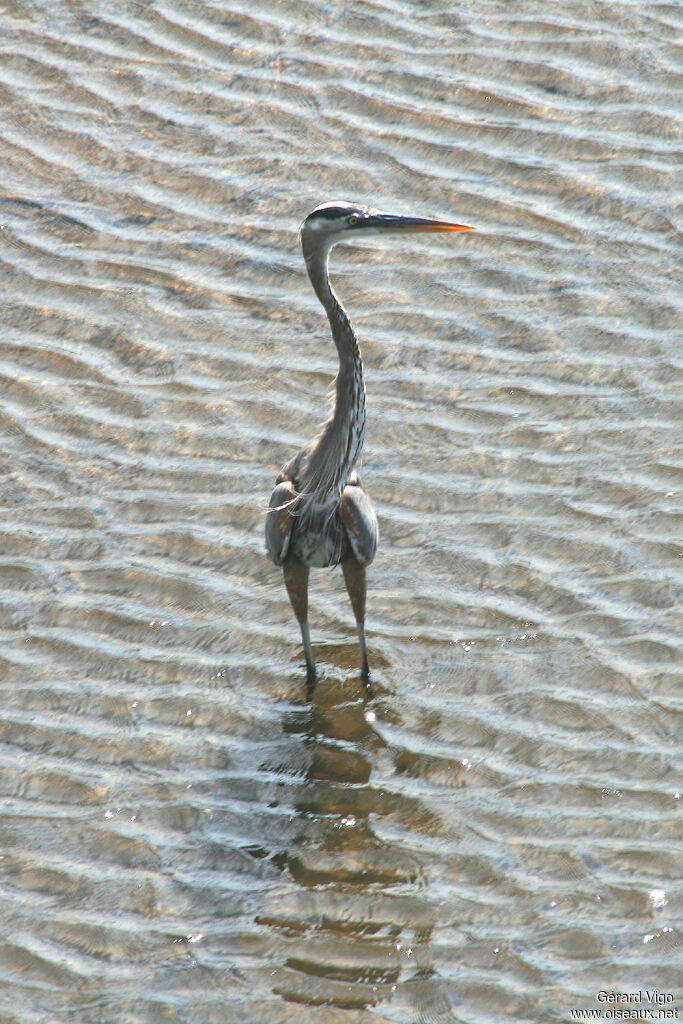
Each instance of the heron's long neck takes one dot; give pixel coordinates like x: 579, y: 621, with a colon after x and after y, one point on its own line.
x: 342, y: 437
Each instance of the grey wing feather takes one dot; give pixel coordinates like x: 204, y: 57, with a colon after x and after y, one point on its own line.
x: 360, y: 522
x: 279, y: 522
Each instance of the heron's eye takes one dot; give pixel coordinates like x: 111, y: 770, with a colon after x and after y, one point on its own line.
x: 352, y: 221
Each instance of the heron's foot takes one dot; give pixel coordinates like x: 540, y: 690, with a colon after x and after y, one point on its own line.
x: 366, y: 676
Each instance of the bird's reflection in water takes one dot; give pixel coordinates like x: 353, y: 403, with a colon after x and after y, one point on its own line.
x: 352, y: 918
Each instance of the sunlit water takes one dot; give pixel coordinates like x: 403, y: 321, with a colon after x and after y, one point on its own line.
x: 497, y: 835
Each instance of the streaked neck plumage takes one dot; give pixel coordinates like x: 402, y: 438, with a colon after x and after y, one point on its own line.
x: 338, y: 446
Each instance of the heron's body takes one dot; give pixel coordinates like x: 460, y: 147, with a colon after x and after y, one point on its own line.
x: 319, y: 513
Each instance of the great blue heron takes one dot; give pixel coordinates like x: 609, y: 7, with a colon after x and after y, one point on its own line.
x: 319, y: 513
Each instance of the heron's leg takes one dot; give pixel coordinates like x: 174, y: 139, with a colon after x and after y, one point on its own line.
x: 296, y: 582
x: 354, y: 577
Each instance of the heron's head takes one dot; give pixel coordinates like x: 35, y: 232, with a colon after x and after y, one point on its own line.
x: 338, y: 221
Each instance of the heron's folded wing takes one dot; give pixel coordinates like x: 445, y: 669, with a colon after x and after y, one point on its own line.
x: 279, y: 521
x: 360, y: 522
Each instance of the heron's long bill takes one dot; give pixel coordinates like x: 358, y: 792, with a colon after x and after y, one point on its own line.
x: 397, y: 222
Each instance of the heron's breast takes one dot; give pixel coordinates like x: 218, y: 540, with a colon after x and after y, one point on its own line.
x: 318, y: 538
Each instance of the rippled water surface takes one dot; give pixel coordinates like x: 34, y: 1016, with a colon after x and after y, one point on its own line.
x: 496, y: 836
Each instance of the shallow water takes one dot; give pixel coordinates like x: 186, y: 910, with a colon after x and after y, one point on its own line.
x: 497, y: 835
